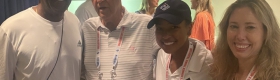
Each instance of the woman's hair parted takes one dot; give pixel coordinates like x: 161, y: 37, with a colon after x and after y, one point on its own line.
x: 225, y: 64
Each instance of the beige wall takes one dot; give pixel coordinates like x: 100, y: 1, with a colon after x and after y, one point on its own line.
x: 219, y: 7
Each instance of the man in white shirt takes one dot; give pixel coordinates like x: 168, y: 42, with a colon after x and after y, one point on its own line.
x: 42, y: 42
x: 118, y: 44
x: 86, y: 11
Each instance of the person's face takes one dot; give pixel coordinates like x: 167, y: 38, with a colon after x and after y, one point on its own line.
x: 153, y: 3
x: 245, y: 33
x: 194, y: 4
x: 54, y: 7
x: 105, y: 8
x: 171, y: 38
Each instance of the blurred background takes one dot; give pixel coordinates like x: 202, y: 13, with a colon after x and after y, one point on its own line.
x: 11, y: 7
x: 219, y: 7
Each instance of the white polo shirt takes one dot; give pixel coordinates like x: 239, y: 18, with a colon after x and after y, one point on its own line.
x: 29, y: 47
x: 136, y: 54
x: 197, y: 69
x: 86, y: 11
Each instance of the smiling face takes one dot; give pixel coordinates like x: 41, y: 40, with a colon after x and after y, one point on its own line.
x: 106, y: 8
x: 172, y: 38
x: 245, y: 33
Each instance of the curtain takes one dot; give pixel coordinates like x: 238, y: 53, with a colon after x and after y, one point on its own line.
x: 11, y: 7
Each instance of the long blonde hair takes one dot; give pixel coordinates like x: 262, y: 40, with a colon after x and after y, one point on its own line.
x: 204, y: 5
x: 145, y: 7
x: 225, y: 64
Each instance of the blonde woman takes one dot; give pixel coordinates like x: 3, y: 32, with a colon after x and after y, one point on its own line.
x: 148, y: 7
x: 203, y: 26
x: 248, y: 46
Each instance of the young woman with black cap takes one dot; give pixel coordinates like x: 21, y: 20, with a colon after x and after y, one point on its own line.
x: 180, y: 57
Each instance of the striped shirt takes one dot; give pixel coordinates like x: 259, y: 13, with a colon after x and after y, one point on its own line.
x: 135, y: 61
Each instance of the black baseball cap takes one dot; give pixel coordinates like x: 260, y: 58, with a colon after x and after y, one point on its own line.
x: 173, y: 11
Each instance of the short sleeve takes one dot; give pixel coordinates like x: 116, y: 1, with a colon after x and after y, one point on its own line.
x: 7, y: 57
x: 82, y: 15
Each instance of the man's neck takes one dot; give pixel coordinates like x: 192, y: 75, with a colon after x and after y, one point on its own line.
x: 113, y: 21
x: 54, y: 18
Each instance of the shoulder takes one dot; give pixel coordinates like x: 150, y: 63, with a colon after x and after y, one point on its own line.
x: 71, y: 17
x: 18, y: 21
x: 93, y: 20
x: 200, y: 15
x: 138, y: 18
x: 161, y: 58
x: 200, y: 49
x: 200, y: 61
x: 162, y: 54
x: 92, y: 23
x: 161, y: 63
x: 201, y: 55
x: 203, y: 14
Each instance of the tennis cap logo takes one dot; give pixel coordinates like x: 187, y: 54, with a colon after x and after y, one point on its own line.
x: 164, y: 7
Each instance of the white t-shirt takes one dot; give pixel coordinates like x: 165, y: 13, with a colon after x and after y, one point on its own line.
x: 137, y: 51
x: 86, y: 11
x: 30, y: 45
x: 197, y: 69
